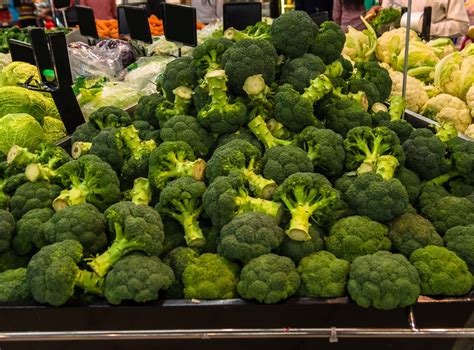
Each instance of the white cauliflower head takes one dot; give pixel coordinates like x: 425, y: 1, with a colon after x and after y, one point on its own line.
x: 391, y: 44
x: 470, y: 100
x: 416, y: 95
x: 448, y: 108
x: 470, y: 131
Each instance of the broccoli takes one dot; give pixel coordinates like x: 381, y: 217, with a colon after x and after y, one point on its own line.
x: 260, y: 129
x: 133, y: 228
x: 171, y: 160
x: 306, y: 196
x: 178, y: 259
x: 220, y: 115
x: 411, y: 231
x: 282, y: 161
x: 260, y: 97
x: 383, y: 280
x: 174, y: 235
x: 209, y: 277
x: 84, y: 133
x: 381, y: 200
x: 410, y: 181
x: 297, y: 250
x: 33, y: 195
x: 325, y: 149
x: 295, y: 110
x: 241, y: 157
x: 340, y: 92
x: 226, y: 197
x: 14, y: 288
x: 441, y: 271
x: 369, y: 89
x: 138, y: 278
x: 212, y: 235
x: 260, y: 30
x: 430, y: 194
x: 82, y: 223
x: 183, y: 97
x: 292, y: 33
x: 87, y: 179
x: 141, y: 192
x: 246, y: 58
x: 449, y: 211
x: 248, y: 236
x: 7, y: 230
x: 178, y: 72
x: 355, y: 236
x: 146, y: 107
x: 323, y: 275
x: 181, y: 200
x: 269, y: 279
x: 29, y: 234
x: 200, y: 97
x: 299, y: 72
x: 379, y: 76
x: 10, y: 260
x: 146, y: 131
x: 329, y: 42
x: 460, y: 239
x: 343, y: 115
x: 459, y: 188
x: 109, y: 117
x: 241, y: 134
x: 186, y: 128
x: 106, y: 145
x: 401, y: 127
x: 207, y: 56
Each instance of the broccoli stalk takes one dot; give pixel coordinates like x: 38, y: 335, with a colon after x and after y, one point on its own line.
x: 334, y: 70
x: 90, y: 282
x: 20, y: 156
x: 397, y: 107
x: 260, y: 129
x: 446, y: 132
x: 141, y: 193
x: 37, y: 171
x: 386, y: 166
x: 278, y: 129
x: 317, y: 89
x: 245, y: 203
x: 260, y: 30
x: 182, y: 102
x: 80, y: 148
x: 138, y: 149
x: 258, y: 92
x: 360, y: 97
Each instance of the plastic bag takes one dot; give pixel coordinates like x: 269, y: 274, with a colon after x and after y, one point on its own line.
x: 145, y: 72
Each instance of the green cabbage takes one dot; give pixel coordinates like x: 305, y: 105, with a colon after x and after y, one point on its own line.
x: 15, y: 99
x: 17, y: 73
x: 54, y: 129
x: 20, y: 129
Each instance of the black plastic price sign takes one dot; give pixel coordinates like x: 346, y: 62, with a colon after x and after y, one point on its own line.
x: 137, y: 20
x: 86, y: 19
x: 21, y: 51
x: 179, y: 23
x: 240, y: 15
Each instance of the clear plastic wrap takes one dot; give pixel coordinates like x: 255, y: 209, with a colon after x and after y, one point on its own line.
x: 145, y: 72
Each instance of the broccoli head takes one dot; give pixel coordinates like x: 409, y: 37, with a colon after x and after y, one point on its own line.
x: 207, y: 56
x: 297, y: 250
x: 10, y: 260
x: 411, y: 181
x: 241, y: 134
x: 370, y: 90
x: 183, y: 98
x: 383, y: 280
x: 323, y: 275
x: 33, y: 195
x: 449, y: 212
x: 299, y: 72
x: 84, y: 133
x: 210, y: 277
x: 248, y: 236
x: 379, y: 76
x: 14, y: 286
x: 178, y: 72
x: 460, y: 239
x: 137, y: 277
x: 29, y: 234
x: 343, y: 115
x: 269, y: 279
x: 430, y: 193
x: 441, y: 271
x: 109, y: 117
x: 329, y: 42
x: 7, y: 230
x: 146, y: 107
x: 106, y: 145
x: 178, y: 259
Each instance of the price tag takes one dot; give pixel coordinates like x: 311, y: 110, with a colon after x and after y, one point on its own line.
x: 21, y: 51
x: 179, y: 23
x: 86, y: 19
x: 240, y: 15
x: 137, y: 21
x: 44, y: 62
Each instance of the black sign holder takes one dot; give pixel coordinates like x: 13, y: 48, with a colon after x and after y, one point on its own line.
x: 137, y: 21
x: 179, y: 24
x: 87, y: 26
x: 21, y: 51
x: 240, y: 15
x: 122, y: 21
x: 426, y: 29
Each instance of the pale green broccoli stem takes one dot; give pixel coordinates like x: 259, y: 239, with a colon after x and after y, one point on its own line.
x: 259, y: 128
x: 192, y: 232
x: 371, y: 155
x: 278, y: 129
x: 236, y: 35
x: 77, y: 194
x: 360, y: 97
x: 20, y: 156
x: 141, y: 191
x: 80, y: 148
x: 182, y: 100
x: 446, y: 131
x: 334, y: 70
x: 181, y: 167
x: 318, y: 88
x: 257, y: 91
x: 138, y: 148
x: 35, y: 172
x: 90, y: 282
x: 245, y: 204
x: 262, y: 187
x: 397, y: 108
x: 379, y: 107
x: 442, y: 179
x: 216, y: 81
x: 386, y: 166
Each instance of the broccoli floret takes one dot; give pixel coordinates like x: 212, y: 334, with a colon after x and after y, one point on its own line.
x: 181, y: 105
x: 109, y: 117
x: 300, y: 71
x: 106, y: 145
x: 7, y: 230
x: 260, y: 97
x: 186, y: 128
x: 33, y: 195
x: 133, y: 228
x: 210, y: 277
x: 146, y: 107
x: 178, y: 72
x: 410, y: 181
x: 260, y: 30
x: 178, y: 259
x: 383, y: 280
x: 344, y: 115
x: 29, y: 234
x: 200, y: 98
x: 248, y: 236
x: 410, y: 232
x: 146, y: 131
x: 212, y: 235
x: 441, y: 271
x: 171, y: 160
x: 401, y: 127
x: 370, y: 90
x: 246, y: 58
x: 449, y: 212
x: 207, y: 56
x: 84, y: 133
x: 343, y: 183
x: 52, y: 274
x: 241, y: 134
x: 356, y: 236
x: 260, y: 129
x: 282, y: 161
x: 325, y: 149
x: 459, y: 188
x: 83, y: 223
x: 220, y: 115
x: 87, y: 179
x: 329, y: 42
x: 292, y: 33
x: 460, y: 239
x: 10, y: 260
x: 269, y: 279
x: 227, y: 196
x: 381, y: 200
x: 377, y: 75
x: 297, y: 250
x: 14, y: 288
x: 138, y: 278
x: 241, y: 157
x: 323, y: 275
x: 430, y: 194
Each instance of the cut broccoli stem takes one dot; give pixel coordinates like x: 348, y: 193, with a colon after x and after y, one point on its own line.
x: 20, y: 156
x: 75, y: 195
x: 360, y: 97
x: 216, y: 81
x: 379, y: 107
x: 237, y: 35
x: 245, y: 203
x: 262, y: 187
x: 138, y: 148
x: 90, y: 282
x: 260, y: 130
x: 35, y: 172
x: 255, y: 86
x: 278, y: 129
x: 299, y: 224
x: 334, y: 70
x: 141, y: 191
x: 192, y: 232
x: 80, y: 148
x: 386, y: 166
x: 257, y: 91
x: 446, y: 131
x: 182, y: 101
x: 195, y: 169
x: 397, y: 108
x: 318, y: 88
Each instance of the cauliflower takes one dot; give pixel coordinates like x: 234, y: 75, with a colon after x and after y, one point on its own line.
x: 447, y: 108
x: 470, y: 131
x: 391, y: 44
x: 416, y: 96
x: 470, y: 100
x: 454, y: 74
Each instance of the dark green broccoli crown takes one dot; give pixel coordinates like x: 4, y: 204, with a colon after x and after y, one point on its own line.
x: 329, y: 42
x: 449, y: 211
x: 146, y: 131
x: 248, y: 236
x: 223, y: 119
x: 174, y: 235
x: 269, y: 279
x: 377, y: 75
x: 10, y: 260
x: 7, y: 229
x: 370, y: 90
x: 410, y: 181
x: 109, y: 117
x: 241, y: 134
x: 138, y: 278
x: 325, y: 148
x: 200, y: 98
x: 186, y: 128
x: 323, y: 275
x: 383, y: 280
x: 297, y: 250
x: 33, y: 195
x: 355, y: 236
x: 179, y: 258
x: 132, y: 169
x: 178, y: 72
x: 279, y: 162
x: 381, y: 200
x: 29, y: 234
x: 462, y: 157
x: 441, y: 271
x: 300, y: 71
x: 459, y: 188
x: 145, y: 110
x: 347, y: 67
x: 208, y: 55
x: 14, y: 287
x: 85, y: 133
x: 460, y: 239
x: 210, y: 277
x: 83, y: 223
x: 12, y: 183
x: 343, y: 183
x: 344, y: 115
x: 212, y: 236
x: 108, y: 147
x: 402, y: 128
x: 246, y: 58
x: 411, y: 231
x: 292, y: 33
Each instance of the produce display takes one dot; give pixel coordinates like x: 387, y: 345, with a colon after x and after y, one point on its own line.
x: 265, y: 166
